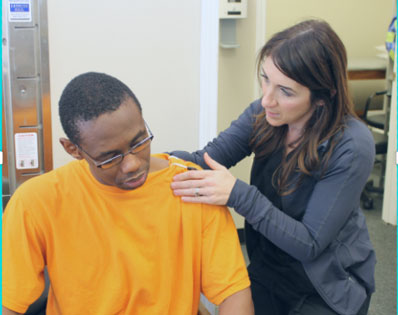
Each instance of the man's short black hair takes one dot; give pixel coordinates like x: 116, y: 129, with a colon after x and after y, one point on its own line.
x: 88, y: 96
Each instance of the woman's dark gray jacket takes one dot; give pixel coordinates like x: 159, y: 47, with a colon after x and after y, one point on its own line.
x: 331, y: 240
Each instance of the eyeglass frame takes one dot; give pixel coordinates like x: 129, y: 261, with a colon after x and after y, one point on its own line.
x: 122, y: 155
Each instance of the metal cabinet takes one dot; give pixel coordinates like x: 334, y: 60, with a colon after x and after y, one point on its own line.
x: 27, y: 143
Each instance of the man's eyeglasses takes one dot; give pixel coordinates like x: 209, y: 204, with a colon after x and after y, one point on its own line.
x: 117, y: 159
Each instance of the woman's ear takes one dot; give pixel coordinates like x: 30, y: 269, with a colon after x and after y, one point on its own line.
x: 71, y: 148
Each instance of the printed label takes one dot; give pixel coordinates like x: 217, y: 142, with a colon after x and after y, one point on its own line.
x: 26, y: 152
x: 19, y: 11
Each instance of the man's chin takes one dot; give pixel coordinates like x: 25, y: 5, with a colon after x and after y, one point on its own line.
x: 134, y: 183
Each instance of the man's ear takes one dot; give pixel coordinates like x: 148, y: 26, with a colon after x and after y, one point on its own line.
x: 71, y: 148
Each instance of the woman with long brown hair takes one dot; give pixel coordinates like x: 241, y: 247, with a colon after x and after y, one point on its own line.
x: 306, y: 236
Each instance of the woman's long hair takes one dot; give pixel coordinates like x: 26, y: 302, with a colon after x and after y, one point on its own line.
x: 313, y: 55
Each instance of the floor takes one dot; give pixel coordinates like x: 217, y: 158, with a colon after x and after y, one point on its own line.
x: 384, y: 239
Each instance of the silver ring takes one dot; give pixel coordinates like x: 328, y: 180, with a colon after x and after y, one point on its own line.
x: 197, y: 192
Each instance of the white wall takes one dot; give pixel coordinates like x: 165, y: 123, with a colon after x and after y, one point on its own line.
x: 236, y: 82
x: 389, y: 213
x: 152, y: 46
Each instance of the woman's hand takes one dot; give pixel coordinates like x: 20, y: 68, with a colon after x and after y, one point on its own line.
x: 206, y: 186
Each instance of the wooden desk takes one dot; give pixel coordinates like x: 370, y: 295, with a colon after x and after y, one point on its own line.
x: 367, y: 68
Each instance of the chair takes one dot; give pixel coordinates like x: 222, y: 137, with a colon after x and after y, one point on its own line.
x: 39, y: 306
x: 202, y: 309
x: 376, y: 120
x: 378, y: 125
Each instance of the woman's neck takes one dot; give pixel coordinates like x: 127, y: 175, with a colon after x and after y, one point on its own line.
x: 292, y: 136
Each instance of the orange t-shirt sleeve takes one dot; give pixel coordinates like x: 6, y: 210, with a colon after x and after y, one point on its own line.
x: 23, y: 261
x: 223, y: 267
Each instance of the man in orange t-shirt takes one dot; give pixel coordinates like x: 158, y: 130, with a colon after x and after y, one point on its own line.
x: 113, y: 237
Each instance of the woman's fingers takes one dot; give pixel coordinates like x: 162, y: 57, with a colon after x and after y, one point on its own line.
x: 207, y: 186
x: 189, y: 180
x: 199, y: 174
x: 214, y: 189
x: 190, y: 191
x: 199, y: 199
x: 204, y: 196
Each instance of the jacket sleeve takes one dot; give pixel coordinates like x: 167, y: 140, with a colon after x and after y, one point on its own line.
x: 332, y: 201
x: 231, y: 145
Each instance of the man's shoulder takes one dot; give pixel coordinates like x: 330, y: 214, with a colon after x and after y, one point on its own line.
x: 44, y: 183
x: 177, y: 165
x: 40, y: 194
x: 186, y: 165
x: 164, y: 160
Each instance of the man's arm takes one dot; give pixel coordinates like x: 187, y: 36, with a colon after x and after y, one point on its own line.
x: 239, y: 303
x: 7, y: 311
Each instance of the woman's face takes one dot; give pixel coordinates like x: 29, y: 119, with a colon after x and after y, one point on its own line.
x: 285, y: 101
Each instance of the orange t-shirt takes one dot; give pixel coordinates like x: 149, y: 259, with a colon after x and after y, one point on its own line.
x: 110, y: 251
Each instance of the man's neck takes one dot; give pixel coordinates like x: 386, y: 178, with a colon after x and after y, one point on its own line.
x: 157, y: 164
